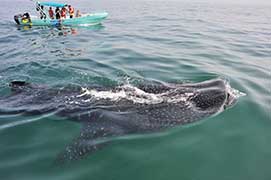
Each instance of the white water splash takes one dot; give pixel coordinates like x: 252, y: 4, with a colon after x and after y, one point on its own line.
x: 234, y: 92
x: 233, y: 95
x: 136, y: 95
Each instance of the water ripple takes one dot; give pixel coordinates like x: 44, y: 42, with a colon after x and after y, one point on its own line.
x: 167, y: 41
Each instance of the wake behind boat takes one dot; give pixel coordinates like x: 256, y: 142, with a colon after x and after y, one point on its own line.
x: 46, y: 19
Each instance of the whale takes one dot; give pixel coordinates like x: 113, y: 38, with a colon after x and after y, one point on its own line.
x: 107, y: 112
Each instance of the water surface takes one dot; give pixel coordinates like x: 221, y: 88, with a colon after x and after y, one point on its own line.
x: 170, y: 41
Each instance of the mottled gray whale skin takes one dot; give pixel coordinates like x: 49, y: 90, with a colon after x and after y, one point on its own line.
x: 106, y: 112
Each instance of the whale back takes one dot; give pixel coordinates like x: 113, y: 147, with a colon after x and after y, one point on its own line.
x: 107, y: 112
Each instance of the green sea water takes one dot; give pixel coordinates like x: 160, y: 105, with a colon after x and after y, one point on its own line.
x: 167, y: 41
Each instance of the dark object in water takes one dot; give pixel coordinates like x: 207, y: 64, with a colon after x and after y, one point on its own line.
x: 16, y: 19
x: 106, y: 112
x: 18, y: 83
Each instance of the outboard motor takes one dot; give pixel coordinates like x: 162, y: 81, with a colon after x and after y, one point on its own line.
x: 16, y: 18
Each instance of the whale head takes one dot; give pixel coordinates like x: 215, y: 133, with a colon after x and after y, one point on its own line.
x: 215, y: 95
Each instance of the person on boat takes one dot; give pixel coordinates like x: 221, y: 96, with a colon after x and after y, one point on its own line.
x: 63, y: 13
x: 78, y: 14
x: 71, y: 11
x: 42, y: 14
x: 57, y: 11
x: 26, y: 18
x: 51, y: 13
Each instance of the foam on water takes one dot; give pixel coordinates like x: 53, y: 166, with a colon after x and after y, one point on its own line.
x: 233, y: 92
x: 136, y: 95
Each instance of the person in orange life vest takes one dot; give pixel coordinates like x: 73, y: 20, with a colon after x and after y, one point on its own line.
x: 51, y: 13
x: 63, y: 13
x: 71, y: 11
